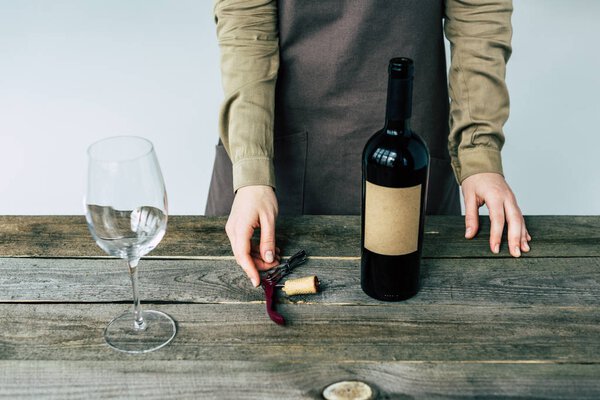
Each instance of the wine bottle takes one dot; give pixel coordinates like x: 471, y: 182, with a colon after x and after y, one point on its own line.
x: 395, y: 172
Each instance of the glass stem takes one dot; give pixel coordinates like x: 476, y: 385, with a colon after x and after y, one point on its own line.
x: 138, y: 322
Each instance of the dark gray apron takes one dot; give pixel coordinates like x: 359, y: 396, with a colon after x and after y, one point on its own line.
x: 331, y: 93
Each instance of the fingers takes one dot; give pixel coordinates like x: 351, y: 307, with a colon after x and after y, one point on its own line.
x: 491, y: 189
x: 471, y: 216
x: 516, y: 227
x: 260, y: 263
x: 517, y: 234
x: 254, y: 261
x: 525, y: 238
x: 239, y: 236
x: 240, y: 245
x: 256, y: 251
x: 267, y: 237
x: 497, y: 225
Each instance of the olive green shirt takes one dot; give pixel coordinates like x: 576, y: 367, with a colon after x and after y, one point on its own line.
x: 479, y: 32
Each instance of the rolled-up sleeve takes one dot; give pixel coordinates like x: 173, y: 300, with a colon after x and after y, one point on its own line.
x: 480, y: 35
x: 248, y: 39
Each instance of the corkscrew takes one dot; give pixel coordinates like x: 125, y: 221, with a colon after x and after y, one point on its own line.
x: 270, y: 282
x: 286, y: 268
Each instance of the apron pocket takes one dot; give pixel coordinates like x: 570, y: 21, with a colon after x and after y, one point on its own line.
x: 290, y: 166
x: 442, y: 197
x: 220, y: 192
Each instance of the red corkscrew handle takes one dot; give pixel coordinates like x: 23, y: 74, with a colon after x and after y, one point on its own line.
x: 271, y: 298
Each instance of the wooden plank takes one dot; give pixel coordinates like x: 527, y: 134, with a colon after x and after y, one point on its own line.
x: 501, y: 282
x: 315, y: 334
x: 333, y: 236
x: 282, y: 380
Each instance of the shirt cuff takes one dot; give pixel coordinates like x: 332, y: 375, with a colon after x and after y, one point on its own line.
x: 476, y: 160
x: 253, y: 171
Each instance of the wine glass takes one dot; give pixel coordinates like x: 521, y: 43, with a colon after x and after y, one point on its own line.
x: 126, y: 212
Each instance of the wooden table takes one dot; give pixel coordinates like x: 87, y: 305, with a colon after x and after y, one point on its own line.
x: 481, y: 326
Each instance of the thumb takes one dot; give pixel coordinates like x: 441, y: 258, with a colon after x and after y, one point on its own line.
x: 471, y: 215
x: 267, y: 238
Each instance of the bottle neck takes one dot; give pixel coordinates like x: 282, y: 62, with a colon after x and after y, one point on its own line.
x: 398, y: 106
x: 397, y: 127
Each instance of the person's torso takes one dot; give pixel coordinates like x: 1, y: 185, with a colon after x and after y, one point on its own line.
x: 331, y: 93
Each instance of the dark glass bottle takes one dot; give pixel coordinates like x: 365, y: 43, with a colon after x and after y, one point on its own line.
x: 395, y: 171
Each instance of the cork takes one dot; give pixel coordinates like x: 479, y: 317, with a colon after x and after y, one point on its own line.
x: 306, y: 285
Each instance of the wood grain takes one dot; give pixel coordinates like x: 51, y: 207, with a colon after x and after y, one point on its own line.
x: 242, y: 332
x: 159, y: 380
x: 499, y: 282
x: 333, y: 236
x: 481, y: 326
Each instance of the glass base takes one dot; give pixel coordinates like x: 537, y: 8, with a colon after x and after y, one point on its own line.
x: 121, y: 334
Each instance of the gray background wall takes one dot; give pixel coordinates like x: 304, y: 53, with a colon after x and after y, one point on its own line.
x: 74, y: 71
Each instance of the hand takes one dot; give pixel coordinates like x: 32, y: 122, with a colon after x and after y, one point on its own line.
x: 491, y: 189
x: 253, y: 207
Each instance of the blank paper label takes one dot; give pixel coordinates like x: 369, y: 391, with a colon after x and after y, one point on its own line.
x: 392, y: 219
